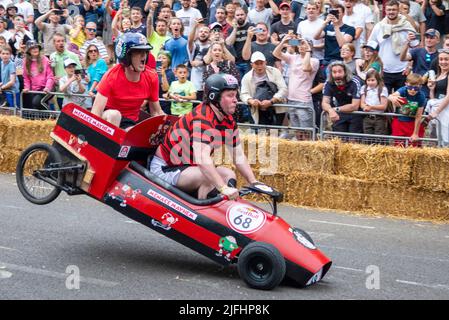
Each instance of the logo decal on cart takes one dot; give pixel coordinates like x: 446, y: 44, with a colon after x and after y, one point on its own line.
x: 299, y: 236
x: 184, y: 211
x: 124, y: 193
x: 124, y: 151
x: 245, y: 219
x: 77, y: 142
x: 167, y: 221
x: 84, y: 116
x: 227, y: 245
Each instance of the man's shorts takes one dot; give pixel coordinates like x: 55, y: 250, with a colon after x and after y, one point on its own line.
x: 125, y: 123
x: 169, y: 174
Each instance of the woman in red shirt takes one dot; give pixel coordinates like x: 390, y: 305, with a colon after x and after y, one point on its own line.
x: 126, y: 88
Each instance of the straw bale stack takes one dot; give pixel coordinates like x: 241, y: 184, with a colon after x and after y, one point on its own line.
x: 406, y: 202
x: 431, y: 170
x: 8, y: 160
x: 383, y: 164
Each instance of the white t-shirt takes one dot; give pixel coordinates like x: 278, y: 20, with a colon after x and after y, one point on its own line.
x: 307, y: 29
x: 367, y: 15
x: 188, y: 17
x: 265, y: 16
x: 6, y: 34
x: 356, y: 21
x: 372, y: 96
x: 26, y: 9
x: 391, y: 61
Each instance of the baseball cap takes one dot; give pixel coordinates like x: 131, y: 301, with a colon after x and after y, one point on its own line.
x: 284, y: 4
x: 68, y: 62
x: 432, y: 32
x: 12, y: 5
x: 372, y: 45
x: 258, y: 56
x: 216, y: 26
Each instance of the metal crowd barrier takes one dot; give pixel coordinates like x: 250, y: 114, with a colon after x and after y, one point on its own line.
x: 305, y: 132
x: 10, y: 110
x: 378, y: 139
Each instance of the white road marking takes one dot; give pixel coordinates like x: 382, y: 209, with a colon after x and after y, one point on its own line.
x: 447, y: 237
x: 57, y: 275
x: 348, y: 269
x: 11, y: 207
x: 432, y: 286
x: 342, y: 224
x: 9, y: 249
x: 5, y: 274
x: 319, y: 236
x: 132, y: 222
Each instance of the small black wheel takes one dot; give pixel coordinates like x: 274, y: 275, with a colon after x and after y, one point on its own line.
x: 29, y: 169
x: 261, y: 266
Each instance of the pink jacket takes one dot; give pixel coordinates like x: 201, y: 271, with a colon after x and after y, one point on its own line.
x: 36, y: 81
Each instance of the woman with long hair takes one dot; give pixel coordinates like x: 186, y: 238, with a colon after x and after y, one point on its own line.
x: 96, y: 67
x: 37, y: 76
x: 370, y: 61
x: 438, y: 105
x: 77, y: 34
x: 221, y: 62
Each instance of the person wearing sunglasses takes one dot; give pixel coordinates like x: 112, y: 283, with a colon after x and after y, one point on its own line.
x: 409, y: 101
x: 128, y: 86
x: 421, y: 57
x: 91, y: 39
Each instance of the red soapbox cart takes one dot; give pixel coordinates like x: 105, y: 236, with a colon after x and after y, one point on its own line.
x: 91, y: 156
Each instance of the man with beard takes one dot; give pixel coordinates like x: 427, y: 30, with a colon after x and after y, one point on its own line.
x: 220, y: 17
x: 124, y: 88
x: 391, y: 35
x: 177, y: 45
x: 341, y: 96
x: 188, y: 15
x: 198, y: 47
x: 238, y: 38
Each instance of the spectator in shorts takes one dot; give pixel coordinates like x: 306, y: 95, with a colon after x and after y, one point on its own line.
x: 374, y: 97
x: 409, y: 101
x: 302, y: 71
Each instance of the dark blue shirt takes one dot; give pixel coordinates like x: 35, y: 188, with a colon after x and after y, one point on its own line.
x: 422, y: 60
x: 331, y: 47
x: 417, y: 101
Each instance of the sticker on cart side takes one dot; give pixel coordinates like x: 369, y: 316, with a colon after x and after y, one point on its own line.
x: 245, y: 219
x: 124, y: 151
x: 84, y: 116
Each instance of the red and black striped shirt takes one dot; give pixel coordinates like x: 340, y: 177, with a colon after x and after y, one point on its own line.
x: 200, y: 125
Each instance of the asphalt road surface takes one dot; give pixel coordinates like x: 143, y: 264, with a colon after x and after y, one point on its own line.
x: 42, y: 246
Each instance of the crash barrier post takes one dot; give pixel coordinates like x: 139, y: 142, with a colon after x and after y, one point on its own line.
x: 9, y: 110
x: 364, y: 138
x: 36, y: 114
x: 307, y: 133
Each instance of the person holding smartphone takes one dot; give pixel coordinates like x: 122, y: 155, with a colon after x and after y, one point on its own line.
x: 52, y: 27
x: 72, y: 83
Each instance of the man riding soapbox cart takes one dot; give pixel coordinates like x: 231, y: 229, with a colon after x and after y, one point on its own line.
x: 91, y: 156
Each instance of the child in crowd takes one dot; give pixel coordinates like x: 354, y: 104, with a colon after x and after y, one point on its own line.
x: 72, y: 83
x: 181, y: 91
x: 374, y: 98
x: 409, y: 101
x: 9, y: 80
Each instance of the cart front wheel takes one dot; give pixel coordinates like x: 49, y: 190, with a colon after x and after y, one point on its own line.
x: 261, y: 266
x: 33, y: 168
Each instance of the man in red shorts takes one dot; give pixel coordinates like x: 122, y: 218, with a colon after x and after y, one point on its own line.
x: 184, y: 159
x: 125, y: 88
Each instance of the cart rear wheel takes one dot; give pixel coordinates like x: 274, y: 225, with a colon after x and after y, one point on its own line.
x: 261, y: 266
x: 31, y: 167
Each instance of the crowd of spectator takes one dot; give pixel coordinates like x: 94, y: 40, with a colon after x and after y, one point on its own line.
x: 339, y: 56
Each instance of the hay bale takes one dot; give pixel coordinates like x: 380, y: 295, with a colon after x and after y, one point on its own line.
x: 4, y: 124
x: 8, y: 160
x: 326, y: 191
x: 383, y: 164
x: 21, y: 133
x: 405, y: 202
x: 431, y: 170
